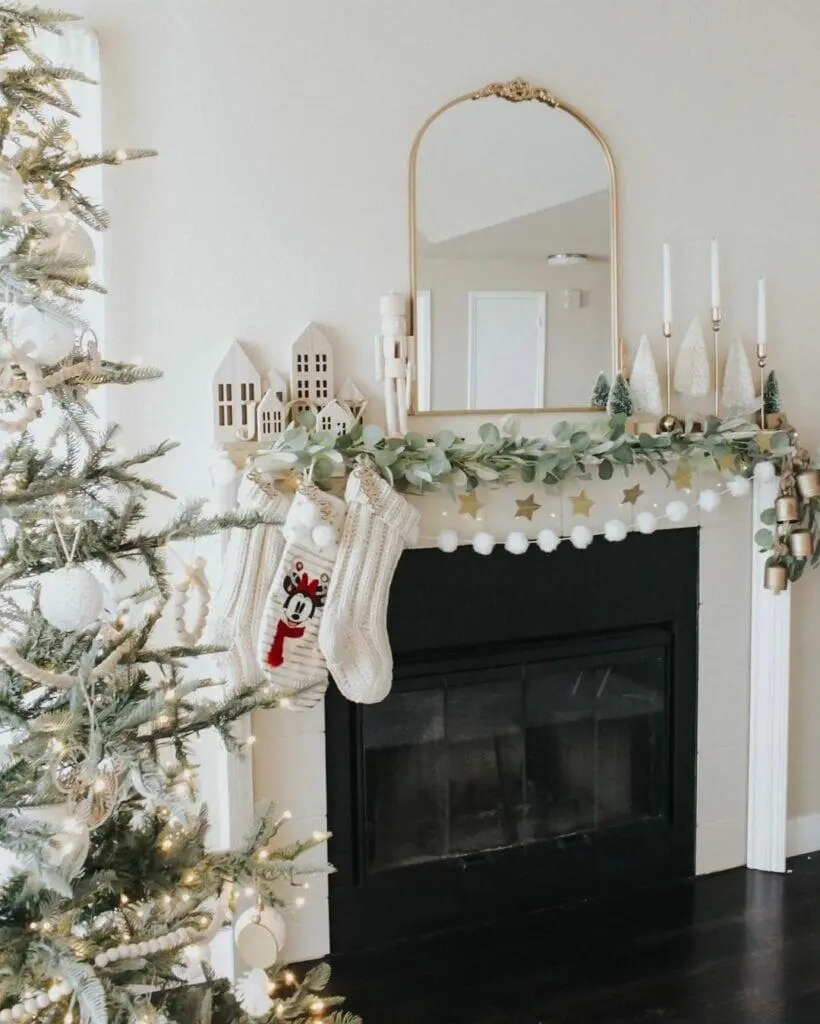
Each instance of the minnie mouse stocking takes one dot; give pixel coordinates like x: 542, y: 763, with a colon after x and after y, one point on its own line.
x: 288, y: 639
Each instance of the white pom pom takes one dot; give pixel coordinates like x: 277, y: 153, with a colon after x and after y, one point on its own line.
x: 764, y: 472
x: 548, y: 540
x: 42, y: 1000
x: 252, y: 992
x: 615, y: 530
x: 646, y: 522
x: 49, y: 341
x: 708, y: 500
x: 54, y: 994
x: 30, y: 1006
x: 324, y: 536
x: 677, y: 511
x: 581, y: 536
x: 739, y: 486
x: 483, y: 543
x: 517, y: 543
x: 223, y: 471
x: 306, y: 512
x: 71, y: 598
x: 448, y: 541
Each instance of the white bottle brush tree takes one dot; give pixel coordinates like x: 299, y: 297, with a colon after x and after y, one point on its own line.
x: 644, y: 382
x: 108, y: 888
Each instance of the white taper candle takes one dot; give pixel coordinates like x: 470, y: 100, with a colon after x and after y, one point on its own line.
x: 715, y: 275
x: 667, y: 285
x: 761, y: 311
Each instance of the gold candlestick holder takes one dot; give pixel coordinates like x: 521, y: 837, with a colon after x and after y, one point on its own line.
x: 761, y: 362
x: 716, y: 320
x: 668, y: 423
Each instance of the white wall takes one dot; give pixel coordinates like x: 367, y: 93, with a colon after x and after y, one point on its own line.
x: 280, y: 195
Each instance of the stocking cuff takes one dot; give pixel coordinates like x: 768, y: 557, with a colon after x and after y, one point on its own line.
x: 366, y: 487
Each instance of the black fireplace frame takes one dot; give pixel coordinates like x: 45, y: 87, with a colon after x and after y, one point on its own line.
x: 642, y: 589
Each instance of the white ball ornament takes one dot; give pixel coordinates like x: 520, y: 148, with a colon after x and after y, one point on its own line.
x: 615, y: 530
x: 677, y: 511
x: 483, y: 543
x: 517, y: 543
x: 447, y: 541
x: 739, y: 486
x: 580, y: 537
x: 42, y: 1001
x: 54, y: 994
x: 548, y: 540
x: 764, y: 472
x: 46, y: 339
x: 17, y: 1012
x: 5, y: 1015
x: 71, y: 598
x: 12, y: 189
x: 708, y: 500
x: 260, y: 934
x: 645, y: 522
x: 65, y: 239
x: 30, y: 1006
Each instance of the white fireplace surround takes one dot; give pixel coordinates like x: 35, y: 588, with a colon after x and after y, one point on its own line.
x: 743, y: 694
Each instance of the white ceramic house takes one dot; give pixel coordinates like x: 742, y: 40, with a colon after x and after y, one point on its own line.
x: 237, y: 387
x: 312, y: 367
x: 270, y: 416
x: 335, y: 418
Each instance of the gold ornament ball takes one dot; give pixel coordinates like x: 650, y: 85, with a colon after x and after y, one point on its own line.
x: 775, y: 577
x: 669, y: 424
x: 808, y: 483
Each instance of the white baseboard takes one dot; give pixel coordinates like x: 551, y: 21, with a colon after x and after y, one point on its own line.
x: 803, y: 835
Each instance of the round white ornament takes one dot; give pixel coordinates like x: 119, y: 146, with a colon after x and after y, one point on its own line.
x: 615, y: 530
x: 448, y: 541
x: 739, y: 486
x: 580, y: 537
x: 517, y: 543
x: 677, y: 511
x: 253, y: 993
x: 71, y: 598
x: 646, y: 522
x: 65, y: 239
x: 548, y: 540
x: 11, y: 187
x: 260, y: 934
x: 47, y: 340
x: 764, y: 472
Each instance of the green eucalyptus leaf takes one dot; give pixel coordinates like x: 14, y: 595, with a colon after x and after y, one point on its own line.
x: 563, y: 431
x: 322, y: 469
x: 764, y: 540
x: 605, y: 470
x: 415, y: 441
x: 647, y: 441
x: 623, y: 453
x: 767, y: 516
x: 445, y: 439
x: 372, y: 435
x: 528, y: 472
x: 579, y: 440
x: 485, y: 473
x: 385, y: 457
x: 780, y: 442
x: 489, y: 433
x: 306, y: 419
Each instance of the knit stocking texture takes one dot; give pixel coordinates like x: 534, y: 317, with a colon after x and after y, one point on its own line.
x: 250, y: 560
x: 353, y: 635
x: 288, y: 646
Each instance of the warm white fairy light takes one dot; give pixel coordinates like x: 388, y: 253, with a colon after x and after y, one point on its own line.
x: 249, y: 890
x: 299, y: 902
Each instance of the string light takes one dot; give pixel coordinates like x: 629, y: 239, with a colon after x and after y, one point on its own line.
x: 317, y: 1007
x: 262, y: 855
x: 251, y: 740
x: 299, y: 902
x: 290, y: 978
x: 166, y: 844
x: 249, y: 890
x: 189, y: 878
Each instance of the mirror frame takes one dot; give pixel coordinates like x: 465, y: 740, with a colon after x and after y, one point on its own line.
x: 517, y: 90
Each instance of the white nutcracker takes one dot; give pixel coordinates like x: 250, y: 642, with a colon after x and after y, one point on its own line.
x: 394, y: 362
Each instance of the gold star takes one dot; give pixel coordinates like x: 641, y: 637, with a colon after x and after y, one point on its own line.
x: 728, y: 461
x: 290, y: 482
x: 581, y: 504
x: 527, y: 507
x: 682, y: 478
x: 763, y: 440
x: 631, y: 495
x: 469, y: 504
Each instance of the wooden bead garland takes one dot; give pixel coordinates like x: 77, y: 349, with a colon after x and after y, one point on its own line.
x: 36, y: 390
x: 194, y: 579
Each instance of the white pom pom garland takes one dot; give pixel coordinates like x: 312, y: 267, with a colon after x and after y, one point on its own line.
x: 71, y: 598
x: 615, y: 530
x: 739, y: 486
x: 677, y: 511
x: 323, y: 536
x: 517, y: 543
x: 548, y: 540
x: 581, y: 537
x: 708, y: 500
x: 764, y: 472
x: 483, y: 543
x: 194, y: 579
x: 646, y: 522
x: 448, y: 541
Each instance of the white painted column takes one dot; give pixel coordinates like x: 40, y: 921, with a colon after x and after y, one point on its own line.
x: 769, y: 710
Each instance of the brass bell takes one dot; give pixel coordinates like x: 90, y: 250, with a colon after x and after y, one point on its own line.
x: 669, y: 424
x: 787, y: 509
x: 808, y: 483
x: 775, y: 577
x: 801, y: 543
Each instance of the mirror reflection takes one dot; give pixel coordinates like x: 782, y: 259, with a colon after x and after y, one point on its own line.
x: 513, y: 259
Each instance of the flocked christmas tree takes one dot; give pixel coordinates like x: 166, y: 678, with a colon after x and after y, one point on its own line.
x: 620, y: 397
x: 109, y: 896
x: 771, y: 395
x: 600, y: 393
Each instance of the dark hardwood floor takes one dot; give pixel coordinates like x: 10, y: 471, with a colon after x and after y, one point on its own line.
x: 730, y: 948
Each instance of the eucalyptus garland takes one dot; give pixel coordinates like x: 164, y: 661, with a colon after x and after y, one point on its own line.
x: 601, y: 448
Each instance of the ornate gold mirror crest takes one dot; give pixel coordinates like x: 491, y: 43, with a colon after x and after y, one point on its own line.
x: 513, y: 218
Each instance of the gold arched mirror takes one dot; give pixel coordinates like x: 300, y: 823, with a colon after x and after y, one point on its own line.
x: 513, y: 253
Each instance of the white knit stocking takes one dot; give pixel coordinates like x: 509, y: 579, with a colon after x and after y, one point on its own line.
x: 250, y: 561
x: 353, y: 635
x: 288, y: 647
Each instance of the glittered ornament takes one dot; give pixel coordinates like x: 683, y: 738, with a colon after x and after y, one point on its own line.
x: 65, y: 238
x: 71, y: 598
x: 46, y: 339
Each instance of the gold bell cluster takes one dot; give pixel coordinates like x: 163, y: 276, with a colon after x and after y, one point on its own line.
x: 794, y: 515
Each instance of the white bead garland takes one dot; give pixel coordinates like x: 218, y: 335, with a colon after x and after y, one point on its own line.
x: 34, y: 402
x: 194, y: 579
